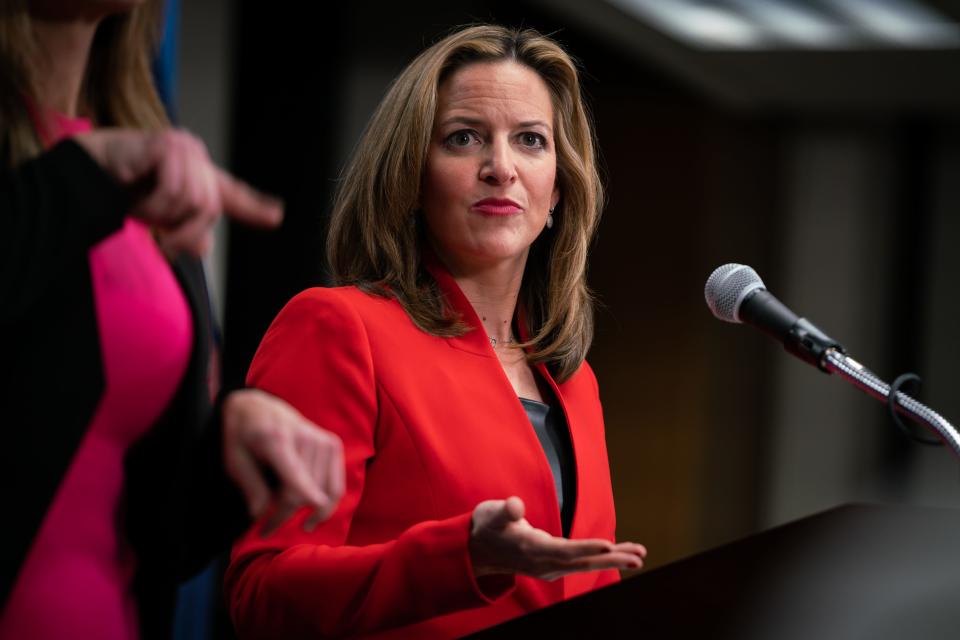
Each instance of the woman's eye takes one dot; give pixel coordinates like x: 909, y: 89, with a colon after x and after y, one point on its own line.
x: 462, y: 138
x: 533, y: 140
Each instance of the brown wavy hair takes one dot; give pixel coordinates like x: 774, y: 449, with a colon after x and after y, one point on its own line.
x: 118, y: 88
x: 376, y: 237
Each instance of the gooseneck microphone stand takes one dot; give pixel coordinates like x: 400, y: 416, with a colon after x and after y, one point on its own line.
x: 835, y: 361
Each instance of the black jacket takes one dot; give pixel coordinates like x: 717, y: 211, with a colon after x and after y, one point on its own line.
x: 178, y: 508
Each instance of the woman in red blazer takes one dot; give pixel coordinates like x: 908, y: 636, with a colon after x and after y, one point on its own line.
x: 451, y: 364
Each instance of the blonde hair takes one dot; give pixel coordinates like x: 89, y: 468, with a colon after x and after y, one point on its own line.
x: 118, y: 88
x: 375, y: 240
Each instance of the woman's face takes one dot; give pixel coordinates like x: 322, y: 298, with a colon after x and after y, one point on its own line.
x: 491, y: 169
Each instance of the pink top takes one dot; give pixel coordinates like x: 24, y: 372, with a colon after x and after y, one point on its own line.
x: 76, y: 577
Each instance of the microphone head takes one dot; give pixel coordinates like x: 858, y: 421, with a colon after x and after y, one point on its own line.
x: 727, y: 287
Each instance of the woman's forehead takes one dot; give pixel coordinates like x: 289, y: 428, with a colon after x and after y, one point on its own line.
x: 504, y: 88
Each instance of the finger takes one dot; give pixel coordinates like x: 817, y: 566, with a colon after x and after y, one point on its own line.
x: 515, y: 507
x: 614, y: 560
x: 336, y: 472
x: 504, y: 512
x: 318, y: 515
x: 314, y: 520
x: 328, y: 472
x: 315, y: 456
x: 604, y: 562
x: 563, y: 549
x: 192, y: 188
x: 212, y: 192
x: 284, y: 509
x: 159, y: 206
x: 131, y: 155
x: 294, y: 477
x: 177, y: 182
x: 204, y: 176
x: 244, y: 204
x: 246, y: 473
x: 632, y: 548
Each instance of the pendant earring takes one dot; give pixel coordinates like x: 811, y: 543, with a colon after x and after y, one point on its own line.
x: 550, y: 218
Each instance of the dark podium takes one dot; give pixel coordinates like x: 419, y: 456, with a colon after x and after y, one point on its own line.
x: 854, y: 572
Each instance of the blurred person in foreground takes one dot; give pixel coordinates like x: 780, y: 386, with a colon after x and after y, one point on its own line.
x: 119, y: 476
x: 450, y: 363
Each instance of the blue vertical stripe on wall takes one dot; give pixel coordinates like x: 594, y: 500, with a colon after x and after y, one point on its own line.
x: 166, y: 62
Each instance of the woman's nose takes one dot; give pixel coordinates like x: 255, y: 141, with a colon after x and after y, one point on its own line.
x: 499, y: 166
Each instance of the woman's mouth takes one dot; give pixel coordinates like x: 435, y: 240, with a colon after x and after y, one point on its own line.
x: 496, y: 207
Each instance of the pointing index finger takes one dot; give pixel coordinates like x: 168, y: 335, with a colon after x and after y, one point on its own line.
x: 245, y: 204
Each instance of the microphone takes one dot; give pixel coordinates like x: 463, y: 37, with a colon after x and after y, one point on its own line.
x: 735, y: 293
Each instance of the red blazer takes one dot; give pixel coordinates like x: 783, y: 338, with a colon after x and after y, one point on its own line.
x: 430, y: 427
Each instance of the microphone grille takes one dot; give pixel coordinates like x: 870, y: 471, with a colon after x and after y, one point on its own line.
x: 727, y: 287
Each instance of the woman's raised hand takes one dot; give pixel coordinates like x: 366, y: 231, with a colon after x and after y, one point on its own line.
x: 502, y: 541
x: 175, y: 187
